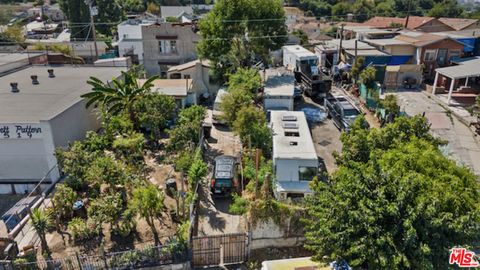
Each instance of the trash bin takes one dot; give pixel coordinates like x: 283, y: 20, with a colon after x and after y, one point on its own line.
x: 171, y: 186
x: 207, y: 130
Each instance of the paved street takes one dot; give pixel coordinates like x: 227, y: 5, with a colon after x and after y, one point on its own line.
x: 463, y: 146
x: 214, y: 217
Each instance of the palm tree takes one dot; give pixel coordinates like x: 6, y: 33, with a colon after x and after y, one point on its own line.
x: 41, y: 222
x: 118, y: 96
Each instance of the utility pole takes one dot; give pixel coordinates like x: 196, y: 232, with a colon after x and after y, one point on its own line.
x: 408, y: 13
x: 93, y: 11
x: 341, y: 42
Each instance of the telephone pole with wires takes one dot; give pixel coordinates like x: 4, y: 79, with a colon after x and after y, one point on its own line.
x: 93, y: 11
x: 408, y: 13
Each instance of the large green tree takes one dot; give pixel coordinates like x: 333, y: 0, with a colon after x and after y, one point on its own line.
x: 78, y: 14
x: 259, y: 25
x: 395, y: 202
x: 154, y: 111
x: 251, y: 126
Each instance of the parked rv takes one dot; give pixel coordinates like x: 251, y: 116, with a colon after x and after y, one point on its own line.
x: 341, y: 111
x: 224, y: 181
x: 304, y: 63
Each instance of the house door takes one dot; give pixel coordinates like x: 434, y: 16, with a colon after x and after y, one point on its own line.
x: 442, y: 57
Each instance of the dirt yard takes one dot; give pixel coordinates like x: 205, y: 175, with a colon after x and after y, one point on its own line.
x: 61, y: 244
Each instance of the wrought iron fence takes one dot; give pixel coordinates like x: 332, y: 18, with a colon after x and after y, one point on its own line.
x: 131, y: 259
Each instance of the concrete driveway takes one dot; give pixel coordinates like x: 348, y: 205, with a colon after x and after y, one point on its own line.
x: 462, y: 146
x: 214, y: 215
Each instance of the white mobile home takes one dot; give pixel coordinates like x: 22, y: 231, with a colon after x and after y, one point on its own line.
x: 295, y: 55
x: 279, y: 92
x: 294, y: 158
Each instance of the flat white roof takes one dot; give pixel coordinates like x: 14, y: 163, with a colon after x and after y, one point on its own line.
x: 291, y: 147
x: 465, y: 69
x: 170, y: 87
x: 280, y: 85
x: 349, y: 44
x: 299, y: 51
x: 52, y: 96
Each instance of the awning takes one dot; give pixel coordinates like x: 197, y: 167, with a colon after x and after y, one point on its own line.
x: 460, y: 71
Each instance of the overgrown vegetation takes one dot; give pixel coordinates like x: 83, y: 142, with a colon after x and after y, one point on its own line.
x: 395, y: 202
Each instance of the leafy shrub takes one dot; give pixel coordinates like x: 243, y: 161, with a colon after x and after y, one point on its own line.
x: 63, y: 201
x: 239, y: 205
x: 81, y: 230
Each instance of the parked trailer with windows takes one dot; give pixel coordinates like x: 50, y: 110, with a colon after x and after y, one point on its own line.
x: 294, y: 158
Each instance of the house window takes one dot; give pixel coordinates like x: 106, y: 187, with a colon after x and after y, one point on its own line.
x: 292, y: 134
x: 176, y: 76
x: 307, y: 173
x: 186, y: 76
x: 160, y: 46
x: 453, y: 55
x: 173, y: 46
x: 429, y: 55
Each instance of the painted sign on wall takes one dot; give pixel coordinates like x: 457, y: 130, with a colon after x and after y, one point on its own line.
x: 25, y: 131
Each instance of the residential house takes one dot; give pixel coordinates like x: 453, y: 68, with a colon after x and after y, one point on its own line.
x: 401, y: 52
x: 328, y: 51
x: 41, y: 110
x: 459, y: 24
x: 292, y: 14
x: 130, y: 39
x: 295, y: 162
x: 198, y: 72
x: 182, y: 14
x: 313, y: 31
x: 168, y: 44
x: 54, y: 12
x: 432, y: 51
x: 362, y: 32
x: 422, y: 24
x: 179, y: 89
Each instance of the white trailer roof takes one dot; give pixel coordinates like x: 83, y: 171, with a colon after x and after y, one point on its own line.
x: 299, y: 51
x: 291, y: 136
x: 280, y: 85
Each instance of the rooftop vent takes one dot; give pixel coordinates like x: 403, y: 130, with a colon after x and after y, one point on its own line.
x: 34, y: 79
x: 50, y: 73
x: 290, y: 125
x: 293, y: 143
x: 14, y: 86
x: 289, y: 118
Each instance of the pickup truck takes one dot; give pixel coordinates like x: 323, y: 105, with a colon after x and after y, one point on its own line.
x: 341, y: 111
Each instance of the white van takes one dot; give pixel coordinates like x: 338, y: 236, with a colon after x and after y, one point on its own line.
x: 217, y: 111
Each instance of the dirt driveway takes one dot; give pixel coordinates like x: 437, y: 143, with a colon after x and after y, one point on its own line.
x: 214, y: 216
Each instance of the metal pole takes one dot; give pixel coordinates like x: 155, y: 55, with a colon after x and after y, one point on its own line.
x: 340, y: 47
x: 92, y: 23
x: 408, y: 13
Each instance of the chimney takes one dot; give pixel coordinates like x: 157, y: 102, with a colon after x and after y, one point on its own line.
x: 14, y: 86
x: 50, y: 73
x: 35, y: 79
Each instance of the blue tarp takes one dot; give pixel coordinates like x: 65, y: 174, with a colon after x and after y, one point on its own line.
x: 377, y: 60
x: 468, y: 42
x: 397, y: 60
x: 314, y: 115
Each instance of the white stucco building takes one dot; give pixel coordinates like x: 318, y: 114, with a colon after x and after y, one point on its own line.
x: 37, y: 118
x: 130, y: 41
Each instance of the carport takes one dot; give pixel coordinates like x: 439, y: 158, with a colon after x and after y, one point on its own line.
x: 466, y: 70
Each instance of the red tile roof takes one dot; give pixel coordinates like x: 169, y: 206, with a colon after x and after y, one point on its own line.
x: 386, y: 22
x: 458, y: 23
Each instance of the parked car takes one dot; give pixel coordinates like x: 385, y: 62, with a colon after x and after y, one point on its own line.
x: 341, y: 111
x: 224, y: 180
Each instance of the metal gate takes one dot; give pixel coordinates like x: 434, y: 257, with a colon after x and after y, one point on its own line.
x: 219, y: 249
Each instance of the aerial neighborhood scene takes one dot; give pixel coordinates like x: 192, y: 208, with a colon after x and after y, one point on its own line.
x: 239, y: 134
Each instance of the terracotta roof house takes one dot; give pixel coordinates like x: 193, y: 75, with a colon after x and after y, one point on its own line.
x: 460, y: 24
x: 431, y: 50
x: 424, y: 24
